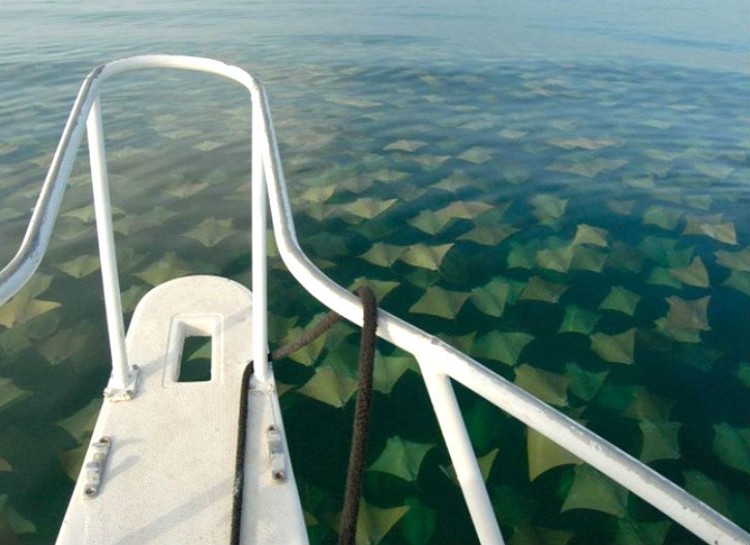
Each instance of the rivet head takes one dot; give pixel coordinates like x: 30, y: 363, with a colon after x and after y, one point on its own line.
x: 90, y: 492
x: 278, y: 475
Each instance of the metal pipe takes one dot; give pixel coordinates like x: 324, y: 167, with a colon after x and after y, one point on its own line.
x: 462, y: 454
x: 107, y: 256
x: 259, y: 258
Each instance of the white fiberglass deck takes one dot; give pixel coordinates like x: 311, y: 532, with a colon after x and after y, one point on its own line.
x: 170, y: 472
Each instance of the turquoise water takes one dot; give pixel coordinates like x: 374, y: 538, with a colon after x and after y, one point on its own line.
x: 559, y: 189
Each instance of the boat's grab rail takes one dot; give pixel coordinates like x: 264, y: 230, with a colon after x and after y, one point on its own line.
x: 439, y: 362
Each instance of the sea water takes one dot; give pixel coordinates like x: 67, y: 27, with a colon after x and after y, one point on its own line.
x: 560, y: 189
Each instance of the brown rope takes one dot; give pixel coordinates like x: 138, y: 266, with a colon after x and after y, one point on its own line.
x: 355, y: 472
x: 328, y: 321
x: 362, y: 408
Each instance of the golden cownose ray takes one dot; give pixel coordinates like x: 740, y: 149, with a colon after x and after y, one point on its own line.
x: 592, y: 490
x: 633, y: 532
x: 484, y: 462
x: 709, y: 491
x: 543, y: 454
x: 488, y: 234
x: 701, y: 202
x: 578, y: 320
x: 695, y: 274
x: 548, y: 209
x: 511, y: 134
x: 505, y: 347
x: 318, y: 194
x: 620, y: 299
x: 368, y: 208
x: 590, y: 168
x: 430, y: 222
x: 427, y: 257
x: 86, y: 213
x: 64, y: 344
x: 534, y: 535
x: 430, y: 162
x: 467, y: 210
x: 617, y: 348
x: 401, y: 458
x: 736, y: 261
x: 660, y: 441
x: 663, y: 277
x: 5, y: 466
x: 382, y: 254
x: 645, y: 405
x: 714, y: 170
x: 477, y: 155
x: 18, y: 339
x: 584, y: 384
x: 22, y: 308
x: 661, y: 155
x: 132, y: 223
x: 207, y: 145
x: 662, y: 216
x: 80, y: 266
x: 80, y: 425
x: 555, y: 259
x: 587, y: 234
x: 389, y: 369
x: 439, y: 302
x: 329, y: 387
x: 491, y: 298
x: 456, y: 181
x: 130, y: 297
x: 514, y: 174
x: 183, y: 190
x: 10, y: 393
x: 170, y: 266
x: 522, y: 256
x: 664, y: 251
x: 587, y: 259
x: 374, y: 523
x: 211, y: 231
x: 12, y: 523
x: 381, y: 288
x: 538, y: 289
x: 405, y: 145
x: 685, y: 319
x: 581, y: 143
x: 548, y: 386
x: 731, y: 445
x: 740, y: 281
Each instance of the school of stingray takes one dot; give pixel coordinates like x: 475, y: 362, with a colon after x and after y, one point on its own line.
x: 581, y: 230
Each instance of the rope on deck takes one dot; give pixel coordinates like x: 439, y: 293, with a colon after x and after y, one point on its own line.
x: 362, y: 410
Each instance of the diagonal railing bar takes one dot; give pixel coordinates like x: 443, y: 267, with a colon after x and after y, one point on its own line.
x: 439, y: 362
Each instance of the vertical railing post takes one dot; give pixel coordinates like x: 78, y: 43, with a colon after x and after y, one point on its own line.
x: 259, y: 257
x: 462, y: 455
x: 121, y: 381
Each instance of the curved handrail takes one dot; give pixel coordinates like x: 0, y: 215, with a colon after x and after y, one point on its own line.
x: 437, y: 360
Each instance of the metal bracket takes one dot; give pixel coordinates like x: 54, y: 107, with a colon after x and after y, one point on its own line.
x: 127, y: 393
x: 276, y: 453
x: 94, y: 466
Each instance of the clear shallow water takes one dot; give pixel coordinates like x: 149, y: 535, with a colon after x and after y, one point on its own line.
x: 569, y: 185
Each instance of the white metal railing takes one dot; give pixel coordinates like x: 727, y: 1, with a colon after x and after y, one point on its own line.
x: 439, y: 362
